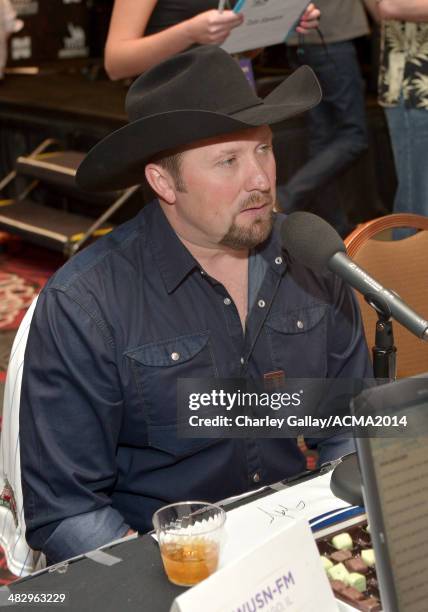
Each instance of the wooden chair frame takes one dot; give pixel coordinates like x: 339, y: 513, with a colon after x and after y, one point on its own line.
x: 370, y: 229
x: 408, y: 365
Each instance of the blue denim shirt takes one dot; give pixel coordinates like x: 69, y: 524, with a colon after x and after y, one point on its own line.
x: 99, y: 450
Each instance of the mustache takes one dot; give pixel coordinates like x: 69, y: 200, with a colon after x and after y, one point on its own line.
x: 256, y: 199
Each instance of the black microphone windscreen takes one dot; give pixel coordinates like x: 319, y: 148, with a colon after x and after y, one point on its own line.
x: 310, y: 240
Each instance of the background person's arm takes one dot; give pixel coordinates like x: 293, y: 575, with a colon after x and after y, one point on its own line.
x: 404, y: 10
x: 129, y: 52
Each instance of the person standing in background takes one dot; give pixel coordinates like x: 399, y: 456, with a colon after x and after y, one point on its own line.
x: 8, y: 25
x: 403, y: 92
x: 337, y: 126
x: 144, y: 32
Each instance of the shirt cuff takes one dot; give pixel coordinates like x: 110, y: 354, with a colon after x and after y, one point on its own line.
x: 79, y: 534
x: 334, y: 448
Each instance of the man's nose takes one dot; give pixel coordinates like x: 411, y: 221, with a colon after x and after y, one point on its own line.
x: 257, y: 177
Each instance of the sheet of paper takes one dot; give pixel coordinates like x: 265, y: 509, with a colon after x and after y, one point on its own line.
x: 266, y: 22
x: 251, y: 524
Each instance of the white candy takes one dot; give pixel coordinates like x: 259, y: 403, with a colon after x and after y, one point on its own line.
x: 343, y: 541
x: 358, y: 581
x: 339, y: 572
x: 326, y: 563
x: 368, y: 556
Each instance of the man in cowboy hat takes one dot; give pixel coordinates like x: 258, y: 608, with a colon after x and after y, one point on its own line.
x: 196, y: 286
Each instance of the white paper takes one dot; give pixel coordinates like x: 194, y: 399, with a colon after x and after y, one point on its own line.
x: 284, y: 573
x: 344, y: 607
x: 266, y: 22
x: 249, y: 525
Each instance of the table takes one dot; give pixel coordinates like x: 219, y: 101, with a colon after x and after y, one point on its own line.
x: 138, y: 582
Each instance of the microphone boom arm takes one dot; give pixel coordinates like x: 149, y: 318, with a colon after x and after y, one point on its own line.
x: 358, y: 278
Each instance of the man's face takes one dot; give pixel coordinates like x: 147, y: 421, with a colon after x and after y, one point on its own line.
x: 229, y: 191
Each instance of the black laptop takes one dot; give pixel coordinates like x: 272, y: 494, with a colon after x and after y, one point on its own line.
x: 395, y: 489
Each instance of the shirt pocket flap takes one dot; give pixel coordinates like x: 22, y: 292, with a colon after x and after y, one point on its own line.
x: 170, y: 352
x: 166, y: 438
x: 298, y: 321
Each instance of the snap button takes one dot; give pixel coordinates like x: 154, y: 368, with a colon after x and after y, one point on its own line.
x: 175, y: 356
x: 202, y: 272
x: 300, y: 324
x: 261, y: 303
x: 278, y: 260
x: 242, y: 360
x: 227, y: 301
x: 256, y: 477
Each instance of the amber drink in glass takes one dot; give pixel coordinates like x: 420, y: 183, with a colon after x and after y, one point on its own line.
x: 190, y: 536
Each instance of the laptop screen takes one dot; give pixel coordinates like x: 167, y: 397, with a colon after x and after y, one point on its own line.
x: 395, y: 484
x: 401, y: 470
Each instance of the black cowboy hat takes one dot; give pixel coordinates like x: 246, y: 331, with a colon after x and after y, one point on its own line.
x: 191, y: 96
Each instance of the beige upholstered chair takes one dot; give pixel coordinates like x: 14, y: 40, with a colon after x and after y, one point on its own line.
x: 400, y: 265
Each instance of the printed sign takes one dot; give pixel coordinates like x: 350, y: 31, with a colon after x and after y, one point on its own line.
x: 53, y: 30
x: 284, y: 574
x: 74, y: 43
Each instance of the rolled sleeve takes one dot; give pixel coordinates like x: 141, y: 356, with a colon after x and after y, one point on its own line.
x: 79, y: 534
x: 334, y: 448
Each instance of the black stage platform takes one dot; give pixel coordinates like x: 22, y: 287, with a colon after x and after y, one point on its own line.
x: 62, y: 104
x: 77, y: 110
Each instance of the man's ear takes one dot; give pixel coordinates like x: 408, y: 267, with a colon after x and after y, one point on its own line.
x: 161, y: 182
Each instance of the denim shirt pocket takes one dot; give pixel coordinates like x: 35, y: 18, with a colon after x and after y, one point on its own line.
x: 156, y: 368
x: 298, y: 341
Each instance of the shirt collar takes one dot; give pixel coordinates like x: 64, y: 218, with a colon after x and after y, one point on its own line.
x: 271, y: 250
x: 175, y: 262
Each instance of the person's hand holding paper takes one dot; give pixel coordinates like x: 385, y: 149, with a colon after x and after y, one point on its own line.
x: 268, y: 22
x: 214, y: 26
x: 309, y: 20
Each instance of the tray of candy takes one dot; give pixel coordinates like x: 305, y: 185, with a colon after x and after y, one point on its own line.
x: 348, y: 558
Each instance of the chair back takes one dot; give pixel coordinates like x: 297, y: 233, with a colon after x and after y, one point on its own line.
x: 20, y: 558
x: 399, y: 265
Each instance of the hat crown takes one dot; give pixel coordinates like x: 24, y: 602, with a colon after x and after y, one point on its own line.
x: 204, y: 78
x: 199, y: 94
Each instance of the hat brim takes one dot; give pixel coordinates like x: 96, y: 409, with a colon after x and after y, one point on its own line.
x: 118, y: 160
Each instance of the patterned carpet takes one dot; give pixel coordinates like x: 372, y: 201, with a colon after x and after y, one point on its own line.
x: 24, y: 270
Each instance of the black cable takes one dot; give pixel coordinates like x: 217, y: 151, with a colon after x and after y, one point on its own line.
x: 301, y: 47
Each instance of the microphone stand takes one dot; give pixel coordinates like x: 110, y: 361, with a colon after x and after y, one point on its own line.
x: 384, y: 351
x: 346, y: 478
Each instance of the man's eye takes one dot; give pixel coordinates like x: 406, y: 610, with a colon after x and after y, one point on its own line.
x: 265, y: 148
x: 227, y: 162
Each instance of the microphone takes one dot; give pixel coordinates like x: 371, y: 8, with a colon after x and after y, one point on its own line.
x: 315, y: 243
